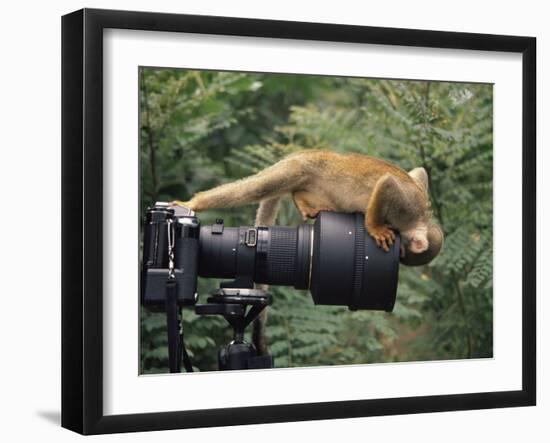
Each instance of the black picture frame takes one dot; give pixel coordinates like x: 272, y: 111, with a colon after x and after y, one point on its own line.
x: 82, y: 190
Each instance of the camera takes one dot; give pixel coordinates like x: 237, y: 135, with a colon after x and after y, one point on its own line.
x: 334, y: 258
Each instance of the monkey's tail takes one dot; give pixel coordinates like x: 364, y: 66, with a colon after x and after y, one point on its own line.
x: 265, y: 216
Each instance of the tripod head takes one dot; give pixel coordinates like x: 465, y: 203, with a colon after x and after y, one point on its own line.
x: 239, y: 306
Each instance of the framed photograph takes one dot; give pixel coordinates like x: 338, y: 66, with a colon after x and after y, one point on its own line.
x: 268, y: 221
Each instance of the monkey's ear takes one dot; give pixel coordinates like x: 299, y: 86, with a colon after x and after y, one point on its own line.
x: 420, y: 176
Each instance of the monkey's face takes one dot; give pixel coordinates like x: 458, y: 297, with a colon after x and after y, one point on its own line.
x: 415, y: 239
x: 434, y: 236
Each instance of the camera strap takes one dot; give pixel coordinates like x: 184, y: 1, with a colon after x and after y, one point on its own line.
x: 176, y: 346
x: 171, y: 304
x: 172, y: 326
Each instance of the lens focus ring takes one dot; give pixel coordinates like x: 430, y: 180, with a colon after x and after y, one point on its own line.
x: 360, y: 259
x: 281, y: 255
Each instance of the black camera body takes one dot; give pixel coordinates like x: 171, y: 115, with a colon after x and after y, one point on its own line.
x: 334, y: 258
x: 170, y: 230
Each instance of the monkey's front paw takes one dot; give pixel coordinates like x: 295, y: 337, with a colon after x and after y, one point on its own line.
x: 311, y: 212
x: 382, y: 235
x: 186, y: 204
x: 304, y: 214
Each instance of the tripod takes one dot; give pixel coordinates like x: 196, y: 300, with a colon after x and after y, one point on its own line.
x: 239, y: 306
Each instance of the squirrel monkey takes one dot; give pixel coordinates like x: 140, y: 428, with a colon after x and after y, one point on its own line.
x: 319, y: 180
x: 328, y: 181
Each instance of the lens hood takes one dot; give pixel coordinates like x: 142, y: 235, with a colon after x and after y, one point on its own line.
x: 348, y: 268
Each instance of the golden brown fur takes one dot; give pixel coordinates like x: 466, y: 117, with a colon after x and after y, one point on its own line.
x: 322, y: 180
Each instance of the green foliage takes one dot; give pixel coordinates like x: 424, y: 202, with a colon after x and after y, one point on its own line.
x: 201, y: 129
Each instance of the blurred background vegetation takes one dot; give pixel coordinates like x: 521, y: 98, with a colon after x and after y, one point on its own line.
x: 199, y: 129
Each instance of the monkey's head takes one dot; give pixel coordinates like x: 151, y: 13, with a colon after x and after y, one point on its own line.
x: 422, y: 239
x: 433, y: 242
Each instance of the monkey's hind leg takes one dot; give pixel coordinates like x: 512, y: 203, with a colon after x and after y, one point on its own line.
x: 384, y: 192
x: 267, y: 211
x: 309, y: 205
x: 302, y: 205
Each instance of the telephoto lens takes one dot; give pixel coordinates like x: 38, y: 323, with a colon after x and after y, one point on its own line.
x: 334, y: 258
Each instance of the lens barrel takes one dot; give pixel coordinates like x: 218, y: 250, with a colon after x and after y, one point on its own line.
x: 335, y: 258
x: 283, y: 256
